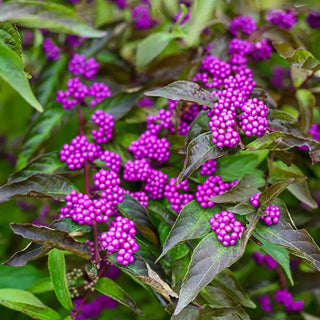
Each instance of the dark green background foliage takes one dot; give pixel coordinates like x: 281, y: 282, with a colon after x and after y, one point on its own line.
x: 180, y: 267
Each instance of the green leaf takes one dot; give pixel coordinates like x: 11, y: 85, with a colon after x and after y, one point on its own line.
x: 208, y: 259
x: 197, y: 126
x: 120, y: 104
x: 47, y: 15
x: 231, y: 313
x: 280, y: 254
x: 39, y: 133
x: 268, y: 195
x: 46, y: 163
x: 200, y: 15
x: 12, y: 72
x: 279, y: 171
x: 302, y: 192
x: 27, y: 303
x: 111, y: 289
x: 70, y: 226
x: 241, y: 192
x: 160, y: 210
x: 150, y: 47
x: 192, y: 223
x: 186, y: 91
x: 51, y: 238
x: 134, y: 210
x: 10, y: 36
x: 31, y: 252
x: 242, y: 209
x: 57, y: 270
x: 297, y: 242
x: 50, y: 79
x: 306, y: 102
x: 41, y: 286
x: 38, y: 186
x: 186, y: 314
x: 200, y: 150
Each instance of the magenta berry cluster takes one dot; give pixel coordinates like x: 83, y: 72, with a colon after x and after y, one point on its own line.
x: 78, y: 152
x: 98, y: 91
x: 142, y: 18
x: 150, y: 146
x: 284, y: 297
x: 155, y: 184
x: 120, y: 238
x: 79, y: 65
x: 139, y: 196
x: 265, y: 303
x: 137, y: 170
x: 281, y: 19
x: 160, y: 121
x: 105, y: 121
x: 177, y: 200
x: 273, y: 212
x: 227, y: 228
x: 109, y: 182
x: 51, y: 50
x: 209, y: 167
x: 313, y: 19
x: 244, y: 24
x: 84, y: 210
x: 112, y: 160
x: 212, y: 187
x: 266, y: 260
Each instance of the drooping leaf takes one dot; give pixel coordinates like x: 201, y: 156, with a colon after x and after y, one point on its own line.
x: 50, y: 79
x: 47, y: 163
x: 192, y: 223
x: 208, y: 259
x: 120, y: 104
x: 197, y: 126
x: 68, y: 225
x: 47, y: 15
x: 39, y: 133
x: 10, y: 36
x: 12, y: 72
x: 241, y: 192
x: 186, y: 91
x: 135, y: 211
x: 200, y: 150
x: 26, y: 302
x: 302, y: 192
x: 39, y: 185
x: 51, y: 238
x: 306, y: 102
x: 57, y: 270
x: 271, y: 193
x: 297, y: 242
x: 30, y: 252
x: 150, y: 47
x: 111, y: 289
x: 280, y: 254
x: 279, y: 141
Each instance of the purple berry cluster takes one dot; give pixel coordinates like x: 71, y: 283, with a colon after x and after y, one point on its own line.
x: 284, y: 297
x: 106, y: 123
x: 209, y: 167
x: 137, y: 170
x: 265, y: 303
x: 84, y: 210
x: 273, y: 212
x: 112, y: 160
x: 109, y: 182
x: 161, y: 121
x: 120, y: 238
x: 177, y: 200
x: 139, y: 196
x: 79, y: 65
x: 281, y: 19
x: 266, y: 260
x: 313, y: 19
x: 78, y: 152
x: 150, y: 146
x: 227, y: 228
x: 145, y: 102
x: 155, y: 184
x: 98, y: 91
x: 253, y: 120
x: 142, y: 18
x: 244, y: 24
x: 51, y: 50
x: 212, y: 187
